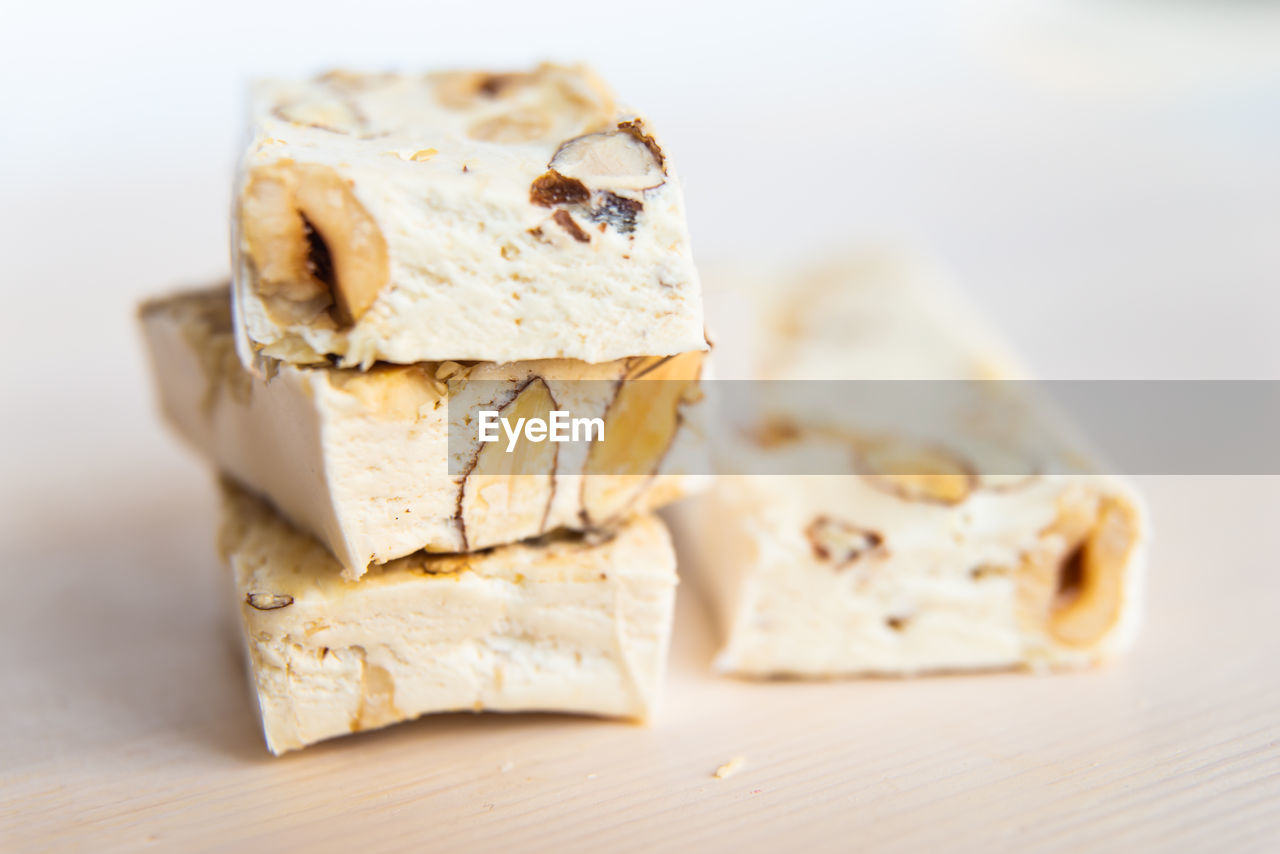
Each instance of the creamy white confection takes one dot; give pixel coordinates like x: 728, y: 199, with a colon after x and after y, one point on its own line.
x: 560, y: 624
x: 458, y: 215
x: 363, y: 459
x: 905, y: 558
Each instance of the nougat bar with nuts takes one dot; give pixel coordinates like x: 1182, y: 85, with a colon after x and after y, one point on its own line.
x: 912, y: 551
x: 561, y: 624
x: 381, y: 463
x: 458, y: 215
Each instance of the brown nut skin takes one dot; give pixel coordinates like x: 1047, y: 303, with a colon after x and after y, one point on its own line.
x: 617, y: 211
x: 573, y: 94
x: 311, y: 241
x: 565, y: 220
x: 268, y: 601
x: 551, y: 188
x: 915, y: 471
x: 1071, y: 585
x: 1090, y: 594
x: 840, y: 543
x: 635, y: 128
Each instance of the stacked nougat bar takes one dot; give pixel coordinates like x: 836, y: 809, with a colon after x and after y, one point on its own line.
x: 407, y: 252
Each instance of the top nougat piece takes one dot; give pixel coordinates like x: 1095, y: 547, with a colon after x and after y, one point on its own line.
x: 458, y: 215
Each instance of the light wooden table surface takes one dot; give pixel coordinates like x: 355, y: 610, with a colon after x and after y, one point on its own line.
x: 127, y: 722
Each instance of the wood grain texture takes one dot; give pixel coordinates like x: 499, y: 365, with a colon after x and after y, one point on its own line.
x: 127, y: 722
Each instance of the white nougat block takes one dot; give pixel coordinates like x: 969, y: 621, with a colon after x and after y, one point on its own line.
x: 907, y: 554
x: 378, y: 464
x: 561, y: 624
x: 458, y: 215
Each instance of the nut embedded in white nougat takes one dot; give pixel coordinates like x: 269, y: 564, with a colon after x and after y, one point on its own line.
x: 363, y: 460
x: 561, y: 624
x: 907, y: 556
x: 458, y: 215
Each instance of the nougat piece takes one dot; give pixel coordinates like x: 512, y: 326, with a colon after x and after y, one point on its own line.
x: 839, y: 575
x: 379, y: 464
x: 458, y: 215
x: 561, y: 624
x: 855, y: 537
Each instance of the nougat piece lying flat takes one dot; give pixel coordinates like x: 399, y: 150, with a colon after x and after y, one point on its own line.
x: 379, y: 464
x: 561, y: 624
x: 458, y: 215
x: 909, y: 553
x: 840, y: 575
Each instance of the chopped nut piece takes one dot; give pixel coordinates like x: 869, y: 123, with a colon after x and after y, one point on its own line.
x: 551, y: 188
x: 840, y: 542
x: 1071, y: 583
x: 613, y: 160
x: 640, y: 424
x: 343, y: 78
x: 458, y: 89
x: 538, y: 105
x: 521, y: 125
x: 773, y: 432
x: 1006, y: 482
x: 336, y: 116
x: 565, y: 220
x: 617, y: 211
x: 728, y: 769
x: 311, y: 240
x: 448, y: 369
x: 390, y: 392
x: 506, y: 495
x: 916, y: 472
x: 1089, y: 599
x: 424, y: 154
x: 268, y: 601
x: 492, y: 85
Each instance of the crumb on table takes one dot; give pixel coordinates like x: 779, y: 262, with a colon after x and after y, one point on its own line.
x: 729, y: 768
